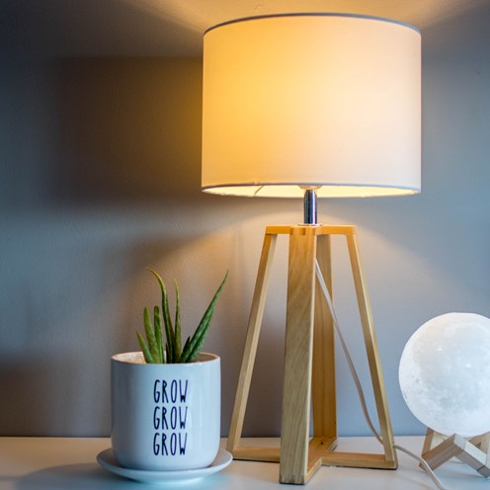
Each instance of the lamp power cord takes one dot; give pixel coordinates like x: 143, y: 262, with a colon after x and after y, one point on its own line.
x: 358, y: 385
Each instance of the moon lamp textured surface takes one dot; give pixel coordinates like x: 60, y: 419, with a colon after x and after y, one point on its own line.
x: 444, y: 374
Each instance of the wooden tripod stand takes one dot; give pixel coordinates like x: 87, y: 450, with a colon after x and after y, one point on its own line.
x: 475, y: 452
x: 309, y: 370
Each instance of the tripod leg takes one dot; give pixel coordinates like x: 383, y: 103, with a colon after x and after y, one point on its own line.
x: 372, y: 350
x: 298, y: 358
x: 250, y: 350
x: 323, y: 377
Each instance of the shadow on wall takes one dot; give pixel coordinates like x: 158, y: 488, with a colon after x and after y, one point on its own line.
x: 129, y: 130
x: 29, y: 384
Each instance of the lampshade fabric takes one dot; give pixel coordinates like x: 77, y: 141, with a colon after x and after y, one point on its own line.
x: 325, y: 100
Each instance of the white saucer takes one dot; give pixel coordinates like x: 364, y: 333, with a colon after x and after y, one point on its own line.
x: 107, y: 460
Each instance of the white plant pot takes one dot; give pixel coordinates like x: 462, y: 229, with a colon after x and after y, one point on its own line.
x: 165, y: 416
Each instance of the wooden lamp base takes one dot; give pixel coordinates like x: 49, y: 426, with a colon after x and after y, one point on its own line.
x: 309, y: 370
x: 475, y: 452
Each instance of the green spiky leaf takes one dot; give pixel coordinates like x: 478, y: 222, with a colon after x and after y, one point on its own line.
x: 158, y: 334
x: 178, y: 325
x: 169, y: 331
x: 144, y: 348
x: 150, y: 336
x: 197, y: 340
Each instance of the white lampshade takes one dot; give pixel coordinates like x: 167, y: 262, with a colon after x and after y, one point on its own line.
x: 323, y: 100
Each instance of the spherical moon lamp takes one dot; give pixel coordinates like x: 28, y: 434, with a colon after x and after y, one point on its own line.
x: 444, y: 374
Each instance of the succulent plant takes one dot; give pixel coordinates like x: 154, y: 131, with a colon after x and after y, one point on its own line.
x: 167, y: 349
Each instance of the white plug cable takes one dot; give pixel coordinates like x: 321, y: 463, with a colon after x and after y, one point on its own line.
x: 358, y: 384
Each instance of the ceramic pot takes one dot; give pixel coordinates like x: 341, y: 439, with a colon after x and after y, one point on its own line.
x: 165, y: 416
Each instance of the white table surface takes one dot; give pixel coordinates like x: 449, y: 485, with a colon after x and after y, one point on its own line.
x: 32, y: 463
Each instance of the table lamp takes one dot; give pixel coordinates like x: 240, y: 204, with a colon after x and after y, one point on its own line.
x: 311, y: 105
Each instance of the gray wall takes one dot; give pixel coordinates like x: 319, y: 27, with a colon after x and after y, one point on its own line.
x: 100, y: 175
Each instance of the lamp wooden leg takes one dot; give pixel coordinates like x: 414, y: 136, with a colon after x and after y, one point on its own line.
x: 372, y: 351
x: 253, y: 332
x: 323, y: 371
x: 298, y: 359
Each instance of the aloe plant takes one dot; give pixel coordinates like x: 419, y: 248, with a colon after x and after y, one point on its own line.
x: 166, y: 348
